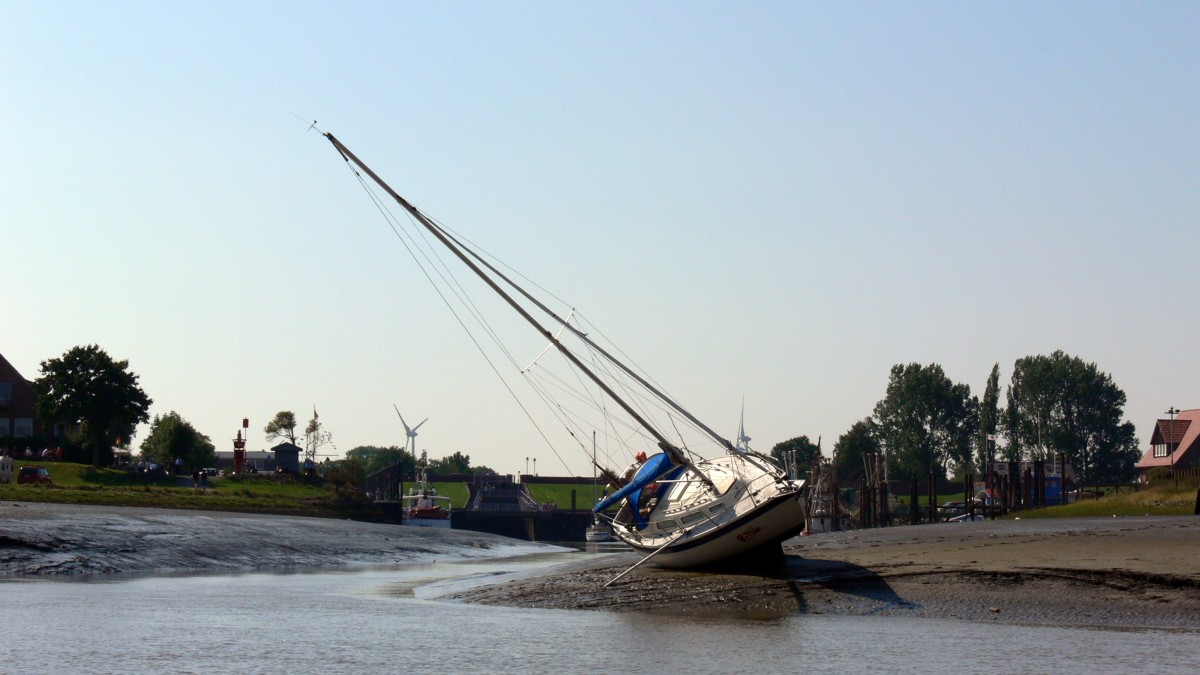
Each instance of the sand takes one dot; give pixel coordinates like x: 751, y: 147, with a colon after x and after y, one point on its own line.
x: 1101, y: 572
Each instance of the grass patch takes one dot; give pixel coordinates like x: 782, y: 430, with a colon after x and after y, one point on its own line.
x: 84, y: 484
x: 560, y: 494
x: 1159, y: 500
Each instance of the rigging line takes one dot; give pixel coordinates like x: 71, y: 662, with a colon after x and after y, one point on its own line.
x: 458, y: 318
x: 565, y: 387
x: 581, y: 335
x: 473, y: 246
x: 443, y: 270
x: 598, y: 363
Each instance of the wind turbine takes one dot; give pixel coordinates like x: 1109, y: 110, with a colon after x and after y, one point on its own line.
x: 411, y: 433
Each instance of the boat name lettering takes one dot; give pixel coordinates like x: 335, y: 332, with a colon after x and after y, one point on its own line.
x: 749, y: 534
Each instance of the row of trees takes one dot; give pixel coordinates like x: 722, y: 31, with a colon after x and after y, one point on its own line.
x: 1057, y: 403
x: 925, y: 422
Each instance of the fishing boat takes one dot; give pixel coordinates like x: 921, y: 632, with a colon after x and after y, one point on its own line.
x: 598, y: 532
x: 424, y: 507
x: 698, y: 499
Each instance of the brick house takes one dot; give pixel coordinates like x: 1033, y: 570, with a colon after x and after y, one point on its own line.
x: 1174, y: 444
x: 17, y: 399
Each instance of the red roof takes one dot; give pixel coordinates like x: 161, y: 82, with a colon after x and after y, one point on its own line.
x: 1183, y: 432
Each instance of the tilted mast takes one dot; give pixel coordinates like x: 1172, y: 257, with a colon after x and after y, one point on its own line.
x: 677, y: 456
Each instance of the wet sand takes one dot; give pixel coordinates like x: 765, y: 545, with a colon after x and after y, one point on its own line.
x: 1101, y: 572
x: 1118, y: 571
x: 67, y: 540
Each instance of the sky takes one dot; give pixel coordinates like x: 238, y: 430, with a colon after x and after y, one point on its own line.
x: 763, y: 202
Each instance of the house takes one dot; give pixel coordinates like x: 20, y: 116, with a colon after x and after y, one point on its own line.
x: 17, y: 399
x: 287, y: 457
x: 1174, y: 444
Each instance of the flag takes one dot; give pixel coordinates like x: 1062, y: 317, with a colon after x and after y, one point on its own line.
x: 991, y: 437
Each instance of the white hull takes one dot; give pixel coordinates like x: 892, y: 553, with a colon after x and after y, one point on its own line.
x: 755, y: 509
x: 766, y: 526
x: 597, y: 536
x: 442, y: 523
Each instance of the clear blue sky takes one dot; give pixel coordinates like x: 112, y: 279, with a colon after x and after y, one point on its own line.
x: 770, y: 200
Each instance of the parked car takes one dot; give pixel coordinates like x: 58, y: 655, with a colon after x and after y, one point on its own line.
x: 36, y: 475
x: 6, y: 469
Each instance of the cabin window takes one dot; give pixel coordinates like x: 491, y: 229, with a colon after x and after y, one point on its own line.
x: 692, y: 517
x: 667, y: 525
x: 716, y: 507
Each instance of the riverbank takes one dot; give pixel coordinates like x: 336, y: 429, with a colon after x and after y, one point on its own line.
x: 39, y: 539
x: 1098, y: 571
x: 1115, y: 571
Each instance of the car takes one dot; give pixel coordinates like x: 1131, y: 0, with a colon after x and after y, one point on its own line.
x: 35, y: 475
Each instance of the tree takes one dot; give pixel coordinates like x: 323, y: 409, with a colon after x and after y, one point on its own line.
x: 851, y: 446
x: 456, y: 463
x: 989, y: 418
x: 374, y: 458
x: 1060, y: 403
x: 86, y: 386
x: 172, y: 436
x: 347, y: 477
x: 925, y: 422
x: 806, y: 453
x: 282, y: 426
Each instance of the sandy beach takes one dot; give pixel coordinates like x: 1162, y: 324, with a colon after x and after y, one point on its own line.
x: 1117, y: 571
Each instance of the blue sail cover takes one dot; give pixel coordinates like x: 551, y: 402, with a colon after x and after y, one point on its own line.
x: 653, y: 469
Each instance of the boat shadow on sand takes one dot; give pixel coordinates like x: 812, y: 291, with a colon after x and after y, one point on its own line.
x: 814, y: 584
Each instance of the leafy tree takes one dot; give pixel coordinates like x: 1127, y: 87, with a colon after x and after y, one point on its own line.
x: 989, y: 418
x: 375, y: 458
x: 456, y: 463
x: 1060, y: 403
x: 925, y: 422
x: 851, y: 446
x: 347, y: 477
x: 88, y: 387
x: 172, y: 436
x: 282, y: 426
x: 806, y: 453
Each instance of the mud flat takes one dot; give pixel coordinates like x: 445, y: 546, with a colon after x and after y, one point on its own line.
x: 1099, y: 572
x: 62, y: 540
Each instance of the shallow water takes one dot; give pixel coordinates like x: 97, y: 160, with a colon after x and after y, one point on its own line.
x: 388, y: 620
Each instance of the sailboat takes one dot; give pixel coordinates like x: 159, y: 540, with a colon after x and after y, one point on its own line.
x: 678, y: 506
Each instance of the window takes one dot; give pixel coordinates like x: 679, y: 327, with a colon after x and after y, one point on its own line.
x: 691, y: 517
x: 4, y: 427
x: 5, y: 393
x: 22, y: 427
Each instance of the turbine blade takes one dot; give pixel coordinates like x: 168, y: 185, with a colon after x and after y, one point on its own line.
x: 407, y: 431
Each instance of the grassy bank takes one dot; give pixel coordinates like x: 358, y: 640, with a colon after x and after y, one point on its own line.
x: 83, y: 484
x: 1157, y: 500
